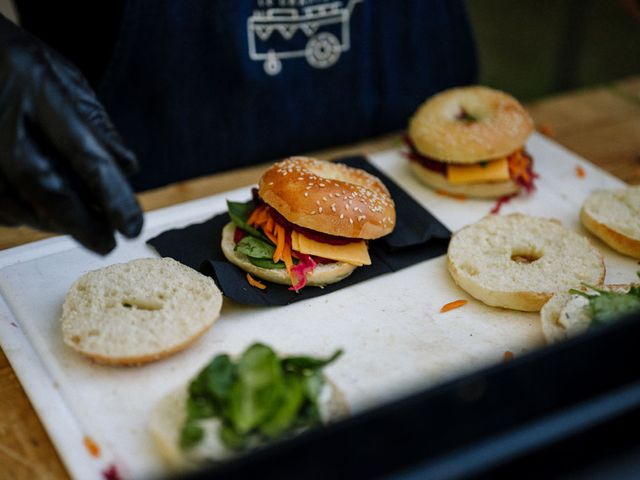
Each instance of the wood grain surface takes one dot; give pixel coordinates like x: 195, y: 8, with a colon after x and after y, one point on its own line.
x: 600, y: 124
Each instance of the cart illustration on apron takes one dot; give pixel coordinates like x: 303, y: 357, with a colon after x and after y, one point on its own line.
x: 320, y: 33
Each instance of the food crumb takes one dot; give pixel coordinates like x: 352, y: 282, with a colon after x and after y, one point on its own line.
x: 92, y: 447
x: 111, y: 473
x: 546, y: 130
x: 255, y: 283
x: 580, y: 173
x: 453, y: 305
x: 500, y: 202
x: 458, y: 196
x: 508, y: 356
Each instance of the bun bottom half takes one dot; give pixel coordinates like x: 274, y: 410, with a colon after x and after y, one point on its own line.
x: 323, y: 274
x: 437, y: 181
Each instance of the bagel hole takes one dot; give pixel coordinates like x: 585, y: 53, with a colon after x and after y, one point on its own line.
x: 142, y: 304
x: 525, y: 256
x: 465, y: 116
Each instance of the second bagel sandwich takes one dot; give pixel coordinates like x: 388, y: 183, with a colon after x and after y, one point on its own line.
x: 308, y: 223
x: 470, y: 141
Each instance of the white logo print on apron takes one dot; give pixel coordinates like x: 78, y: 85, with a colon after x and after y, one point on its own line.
x: 316, y: 30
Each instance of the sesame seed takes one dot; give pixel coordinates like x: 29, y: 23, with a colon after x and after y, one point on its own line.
x: 320, y: 210
x: 306, y: 194
x: 351, y: 221
x: 333, y: 207
x: 313, y: 212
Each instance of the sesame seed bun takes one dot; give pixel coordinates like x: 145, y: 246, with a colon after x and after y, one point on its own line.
x: 328, y: 197
x: 469, y: 125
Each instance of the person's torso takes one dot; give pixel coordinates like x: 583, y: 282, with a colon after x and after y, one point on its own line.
x: 202, y: 86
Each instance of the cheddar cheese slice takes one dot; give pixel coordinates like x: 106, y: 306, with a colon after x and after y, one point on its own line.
x: 491, y: 171
x: 355, y: 253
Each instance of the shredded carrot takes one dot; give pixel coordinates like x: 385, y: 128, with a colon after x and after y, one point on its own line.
x: 286, y: 258
x: 255, y: 283
x: 270, y: 224
x: 580, y: 173
x: 508, y: 356
x: 452, y: 305
x: 458, y: 196
x: 253, y: 218
x: 281, y: 237
x: 546, y: 130
x: 262, y: 218
x: 92, y: 447
x: 519, y: 165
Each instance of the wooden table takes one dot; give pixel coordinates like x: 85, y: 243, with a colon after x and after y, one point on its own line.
x: 600, y: 124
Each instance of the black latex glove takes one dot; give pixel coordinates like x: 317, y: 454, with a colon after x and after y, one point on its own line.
x: 62, y: 164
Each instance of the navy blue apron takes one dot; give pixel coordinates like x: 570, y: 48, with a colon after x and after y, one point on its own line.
x: 201, y: 86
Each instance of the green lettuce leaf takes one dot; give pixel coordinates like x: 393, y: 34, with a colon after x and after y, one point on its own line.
x: 266, y: 263
x: 605, y: 306
x: 239, y: 213
x: 255, y: 248
x: 256, y: 398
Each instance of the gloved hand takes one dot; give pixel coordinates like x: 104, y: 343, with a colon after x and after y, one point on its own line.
x: 62, y: 164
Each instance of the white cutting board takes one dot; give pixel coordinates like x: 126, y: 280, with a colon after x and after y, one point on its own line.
x: 394, y: 338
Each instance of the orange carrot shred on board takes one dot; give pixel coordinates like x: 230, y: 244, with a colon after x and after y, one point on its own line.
x: 546, y: 130
x: 255, y: 283
x: 92, y: 447
x: 452, y: 305
x: 580, y: 173
x: 458, y: 196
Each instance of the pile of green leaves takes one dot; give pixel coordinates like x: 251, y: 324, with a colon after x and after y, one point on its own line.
x: 256, y: 246
x: 605, y: 307
x: 257, y: 398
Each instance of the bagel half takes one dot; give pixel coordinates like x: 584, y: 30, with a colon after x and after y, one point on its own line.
x: 614, y: 217
x: 470, y: 140
x: 140, y: 311
x: 518, y: 262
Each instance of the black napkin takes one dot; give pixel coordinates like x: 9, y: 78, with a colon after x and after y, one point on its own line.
x: 417, y: 236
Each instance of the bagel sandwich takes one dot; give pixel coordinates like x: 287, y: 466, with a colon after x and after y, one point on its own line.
x: 569, y: 314
x: 236, y: 404
x: 470, y: 141
x: 308, y: 223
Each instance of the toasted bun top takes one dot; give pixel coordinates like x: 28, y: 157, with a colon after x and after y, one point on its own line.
x: 329, y: 197
x: 469, y: 124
